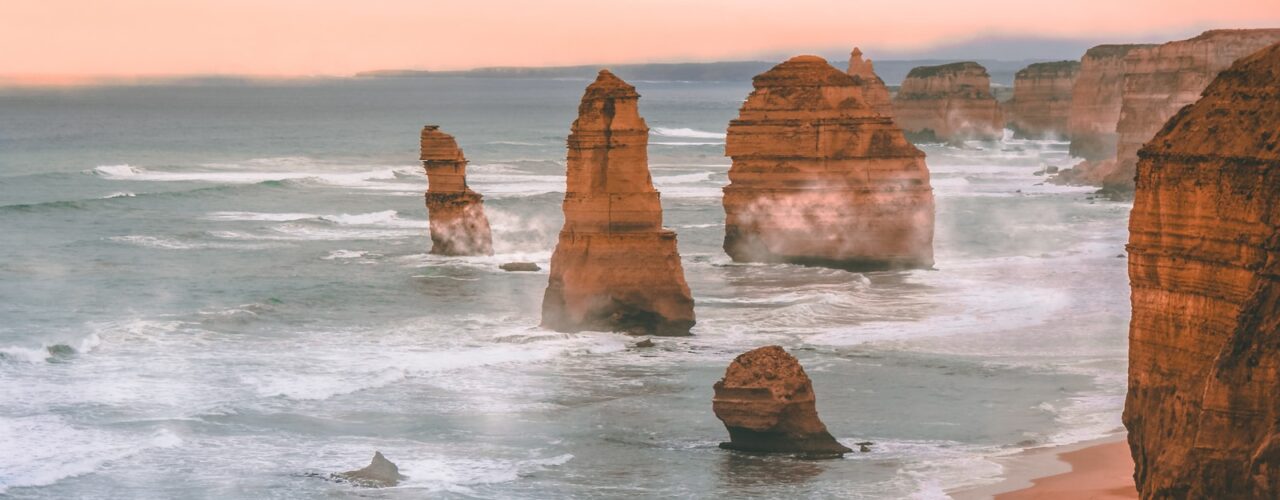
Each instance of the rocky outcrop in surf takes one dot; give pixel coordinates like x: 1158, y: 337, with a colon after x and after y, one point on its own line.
x: 766, y: 402
x: 1204, y: 262
x: 874, y: 91
x: 951, y: 102
x: 456, y: 213
x: 821, y: 178
x: 615, y: 267
x: 1041, y: 103
x: 380, y: 473
x: 1096, y: 97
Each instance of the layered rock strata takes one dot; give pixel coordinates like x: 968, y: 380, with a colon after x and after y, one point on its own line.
x: 615, y: 267
x: 951, y: 102
x: 821, y: 178
x: 766, y: 402
x: 1161, y: 80
x: 456, y: 213
x: 1041, y: 103
x: 1203, y: 408
x: 1096, y: 97
x: 874, y: 91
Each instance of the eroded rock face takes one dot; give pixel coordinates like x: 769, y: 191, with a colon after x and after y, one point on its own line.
x: 821, y: 178
x: 766, y: 402
x: 950, y: 102
x: 1096, y: 97
x: 380, y: 473
x: 1041, y: 103
x: 1161, y: 80
x: 456, y: 213
x: 1203, y: 409
x: 874, y: 91
x: 615, y: 267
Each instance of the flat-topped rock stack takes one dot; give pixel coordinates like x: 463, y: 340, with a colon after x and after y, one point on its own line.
x: 1204, y: 261
x: 874, y: 91
x: 615, y: 268
x: 456, y: 213
x: 1096, y: 97
x: 950, y: 102
x: 819, y: 177
x: 1041, y: 104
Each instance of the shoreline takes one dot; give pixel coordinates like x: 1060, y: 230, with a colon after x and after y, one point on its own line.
x: 1098, y: 469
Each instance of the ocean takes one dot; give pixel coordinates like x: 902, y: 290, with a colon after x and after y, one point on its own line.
x: 221, y: 290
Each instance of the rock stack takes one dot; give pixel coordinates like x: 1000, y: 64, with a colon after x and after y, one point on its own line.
x: 874, y: 91
x: 819, y: 177
x: 1095, y: 101
x: 456, y: 213
x: 766, y: 402
x: 615, y: 267
x: 1203, y: 409
x: 1041, y: 103
x: 1161, y: 80
x: 951, y: 102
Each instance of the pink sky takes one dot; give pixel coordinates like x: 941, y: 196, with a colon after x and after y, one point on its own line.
x: 338, y: 37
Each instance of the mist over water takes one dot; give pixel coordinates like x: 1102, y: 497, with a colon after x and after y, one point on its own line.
x: 209, y: 292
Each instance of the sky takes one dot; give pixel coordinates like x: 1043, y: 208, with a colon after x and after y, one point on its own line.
x: 342, y: 37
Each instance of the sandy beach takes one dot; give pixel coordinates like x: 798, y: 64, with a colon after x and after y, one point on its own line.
x: 1101, y: 469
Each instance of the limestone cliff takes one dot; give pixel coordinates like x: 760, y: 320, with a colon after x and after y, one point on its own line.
x: 615, y: 267
x: 1203, y: 409
x: 456, y: 213
x: 1161, y: 80
x: 1041, y: 101
x: 766, y: 402
x: 950, y: 102
x: 874, y: 91
x: 819, y: 177
x: 1095, y: 101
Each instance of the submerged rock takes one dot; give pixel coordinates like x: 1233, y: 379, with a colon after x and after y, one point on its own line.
x: 520, y: 267
x: 380, y: 473
x: 820, y: 178
x: 456, y: 213
x: 766, y: 402
x: 950, y: 102
x: 615, y: 268
x: 1204, y: 263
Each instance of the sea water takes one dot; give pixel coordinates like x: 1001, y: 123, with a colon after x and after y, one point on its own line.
x: 220, y: 290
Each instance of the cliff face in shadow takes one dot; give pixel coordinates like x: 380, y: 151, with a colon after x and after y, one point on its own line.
x: 1203, y: 410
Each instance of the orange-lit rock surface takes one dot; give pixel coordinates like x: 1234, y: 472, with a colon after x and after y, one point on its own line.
x: 948, y: 103
x: 874, y: 91
x: 1203, y: 409
x: 1041, y: 101
x: 1161, y: 80
x: 766, y: 402
x: 1095, y: 101
x: 818, y: 177
x: 458, y: 223
x: 615, y: 267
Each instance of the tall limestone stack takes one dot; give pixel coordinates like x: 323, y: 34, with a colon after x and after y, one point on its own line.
x: 1041, y: 101
x: 456, y: 213
x: 1161, y: 80
x: 1095, y: 101
x: 821, y: 178
x: 615, y: 267
x: 951, y: 102
x: 1203, y: 409
x: 767, y: 404
x: 874, y: 90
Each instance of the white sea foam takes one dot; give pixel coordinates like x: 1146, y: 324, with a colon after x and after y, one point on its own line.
x: 259, y: 216
x: 44, y: 449
x: 686, y: 132
x: 345, y: 254
x: 356, y: 179
x: 119, y: 194
x: 669, y: 143
x: 666, y: 180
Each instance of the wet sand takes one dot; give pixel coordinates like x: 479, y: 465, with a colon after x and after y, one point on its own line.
x: 1099, y: 470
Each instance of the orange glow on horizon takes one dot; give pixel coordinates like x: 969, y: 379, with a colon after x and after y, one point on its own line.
x: 57, y: 38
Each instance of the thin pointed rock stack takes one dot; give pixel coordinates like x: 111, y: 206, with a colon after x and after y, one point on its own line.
x: 821, y: 178
x: 615, y: 267
x: 874, y: 91
x: 456, y: 213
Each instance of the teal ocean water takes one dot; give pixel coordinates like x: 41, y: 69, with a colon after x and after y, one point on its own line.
x: 210, y: 291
